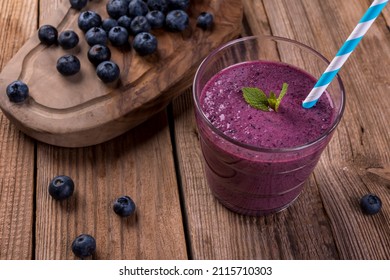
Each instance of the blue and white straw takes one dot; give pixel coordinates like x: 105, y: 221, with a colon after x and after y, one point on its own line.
x: 342, y: 55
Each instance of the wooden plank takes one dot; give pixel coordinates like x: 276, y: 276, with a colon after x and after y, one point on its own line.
x: 18, y: 22
x: 82, y: 105
x: 325, y: 222
x: 139, y: 164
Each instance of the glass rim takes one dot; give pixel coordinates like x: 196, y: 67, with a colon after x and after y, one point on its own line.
x: 253, y: 147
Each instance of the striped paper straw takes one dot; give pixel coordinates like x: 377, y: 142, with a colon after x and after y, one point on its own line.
x: 342, y: 55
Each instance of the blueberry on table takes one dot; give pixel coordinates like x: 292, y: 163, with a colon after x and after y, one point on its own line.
x: 118, y: 36
x: 89, y: 19
x: 178, y: 4
x: 108, y: 71
x: 84, y: 246
x: 117, y: 8
x: 78, y: 4
x: 137, y: 8
x: 48, y: 34
x: 61, y: 187
x: 17, y: 91
x: 96, y: 35
x: 68, y: 39
x: 125, y: 22
x: 177, y: 20
x: 98, y: 53
x: 139, y: 24
x: 157, y: 5
x: 109, y: 23
x: 145, y: 43
x: 370, y: 204
x: 156, y: 19
x: 205, y: 20
x: 124, y: 206
x: 68, y: 65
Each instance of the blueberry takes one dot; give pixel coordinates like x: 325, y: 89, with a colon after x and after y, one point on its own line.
x: 89, y: 19
x: 17, y: 92
x: 177, y: 20
x: 124, y: 206
x: 99, y: 53
x: 125, y: 21
x: 116, y: 8
x: 158, y: 5
x: 61, y: 187
x: 109, y: 23
x: 48, y: 34
x: 178, y: 4
x: 137, y: 8
x: 68, y: 65
x: 84, y: 246
x: 205, y: 20
x: 118, y: 36
x: 108, y: 71
x: 370, y: 204
x: 145, y: 43
x: 139, y: 24
x: 68, y: 39
x: 96, y: 35
x: 78, y: 4
x: 156, y: 19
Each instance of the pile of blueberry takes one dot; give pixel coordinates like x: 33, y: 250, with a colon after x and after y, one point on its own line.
x: 83, y: 246
x: 128, y: 20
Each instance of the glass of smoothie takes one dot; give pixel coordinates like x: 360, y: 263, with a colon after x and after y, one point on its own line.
x: 257, y: 161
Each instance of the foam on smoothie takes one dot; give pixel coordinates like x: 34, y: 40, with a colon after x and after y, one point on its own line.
x: 291, y: 126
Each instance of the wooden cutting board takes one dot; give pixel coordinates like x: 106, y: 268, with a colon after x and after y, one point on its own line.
x: 80, y: 110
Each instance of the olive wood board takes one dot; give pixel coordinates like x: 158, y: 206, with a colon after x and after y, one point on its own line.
x: 81, y: 110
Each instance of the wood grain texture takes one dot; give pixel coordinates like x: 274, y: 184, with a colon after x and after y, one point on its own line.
x: 16, y: 150
x: 66, y: 111
x: 139, y: 164
x: 325, y: 222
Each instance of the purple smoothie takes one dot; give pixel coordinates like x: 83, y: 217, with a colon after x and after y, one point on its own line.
x: 254, y: 160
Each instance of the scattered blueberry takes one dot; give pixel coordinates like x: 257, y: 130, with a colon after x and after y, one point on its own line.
x: 61, y: 187
x: 118, y: 36
x: 96, y: 35
x: 205, y: 20
x: 370, y: 204
x: 78, y: 4
x: 124, y: 206
x: 156, y: 19
x: 137, y: 8
x: 178, y: 4
x: 99, y: 53
x: 145, y: 43
x: 68, y: 65
x: 109, y: 23
x: 89, y: 19
x: 177, y: 20
x: 139, y: 24
x: 125, y: 21
x: 48, y: 34
x: 108, y: 71
x: 116, y: 8
x: 84, y: 246
x: 17, y: 92
x: 158, y: 5
x: 68, y: 39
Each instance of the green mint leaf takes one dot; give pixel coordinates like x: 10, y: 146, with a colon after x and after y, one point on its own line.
x: 281, y: 95
x: 272, y: 100
x: 256, y: 98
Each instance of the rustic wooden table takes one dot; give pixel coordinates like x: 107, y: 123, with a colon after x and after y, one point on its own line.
x: 159, y: 164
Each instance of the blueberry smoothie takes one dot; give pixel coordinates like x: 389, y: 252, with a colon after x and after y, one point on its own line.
x: 256, y: 162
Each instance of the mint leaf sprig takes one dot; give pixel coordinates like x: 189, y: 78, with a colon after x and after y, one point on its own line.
x: 256, y: 98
